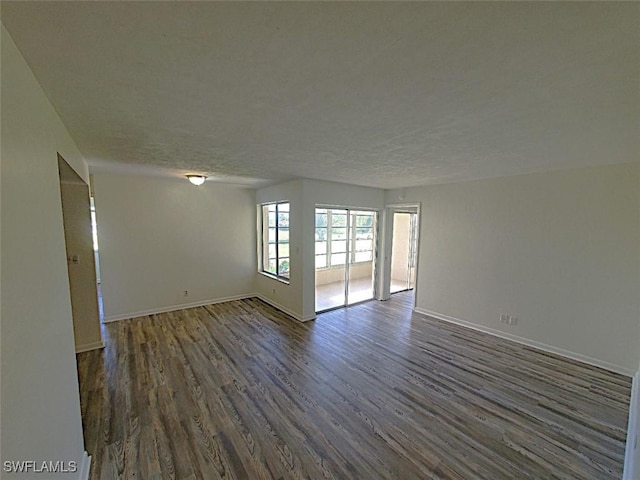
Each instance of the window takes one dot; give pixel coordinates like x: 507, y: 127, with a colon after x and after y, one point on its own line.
x: 275, y: 240
x: 363, y: 230
x: 333, y: 232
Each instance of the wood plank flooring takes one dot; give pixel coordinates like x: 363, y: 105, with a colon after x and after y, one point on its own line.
x: 240, y: 390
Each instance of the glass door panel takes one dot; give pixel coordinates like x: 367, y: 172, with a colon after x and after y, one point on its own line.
x: 331, y: 231
x: 361, y: 246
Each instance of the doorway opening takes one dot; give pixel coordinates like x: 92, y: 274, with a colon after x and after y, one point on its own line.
x: 404, y: 251
x: 81, y: 266
x: 345, y: 253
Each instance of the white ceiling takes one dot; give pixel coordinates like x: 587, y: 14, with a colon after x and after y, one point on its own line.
x: 379, y: 94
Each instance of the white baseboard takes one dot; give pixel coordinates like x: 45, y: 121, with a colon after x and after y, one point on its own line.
x: 85, y: 468
x: 284, y: 309
x: 631, y: 468
x: 173, y: 308
x: 89, y: 346
x: 531, y: 343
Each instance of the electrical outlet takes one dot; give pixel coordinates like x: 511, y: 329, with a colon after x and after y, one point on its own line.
x: 186, y: 293
x: 508, y: 319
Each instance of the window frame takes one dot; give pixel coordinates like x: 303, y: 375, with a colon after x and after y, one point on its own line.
x: 264, y: 240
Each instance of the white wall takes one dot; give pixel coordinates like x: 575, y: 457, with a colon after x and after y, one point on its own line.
x: 557, y: 250
x: 161, y: 236
x: 286, y: 296
x: 40, y: 401
x: 632, y: 452
x: 336, y: 274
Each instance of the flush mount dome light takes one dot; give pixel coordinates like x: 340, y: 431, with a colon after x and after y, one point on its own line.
x: 196, y: 179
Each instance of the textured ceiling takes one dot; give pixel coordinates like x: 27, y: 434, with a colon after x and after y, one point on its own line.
x: 380, y: 94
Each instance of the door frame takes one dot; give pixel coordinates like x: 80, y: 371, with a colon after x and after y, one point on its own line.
x: 385, y: 280
x: 410, y: 257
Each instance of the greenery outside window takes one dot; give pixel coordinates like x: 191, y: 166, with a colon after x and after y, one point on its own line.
x: 275, y: 240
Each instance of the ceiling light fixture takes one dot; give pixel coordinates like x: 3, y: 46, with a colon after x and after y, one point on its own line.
x: 196, y: 179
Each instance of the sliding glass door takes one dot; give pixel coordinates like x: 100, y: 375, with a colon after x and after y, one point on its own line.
x: 331, y: 254
x: 361, y: 254
x: 344, y: 256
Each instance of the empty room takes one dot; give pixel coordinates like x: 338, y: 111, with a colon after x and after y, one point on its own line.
x: 342, y: 240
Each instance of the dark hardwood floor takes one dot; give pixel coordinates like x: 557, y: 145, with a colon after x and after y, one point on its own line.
x: 240, y: 390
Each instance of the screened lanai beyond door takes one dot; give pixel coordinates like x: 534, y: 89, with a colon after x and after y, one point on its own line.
x: 345, y: 252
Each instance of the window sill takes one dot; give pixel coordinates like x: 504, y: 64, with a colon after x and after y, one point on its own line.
x: 273, y: 277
